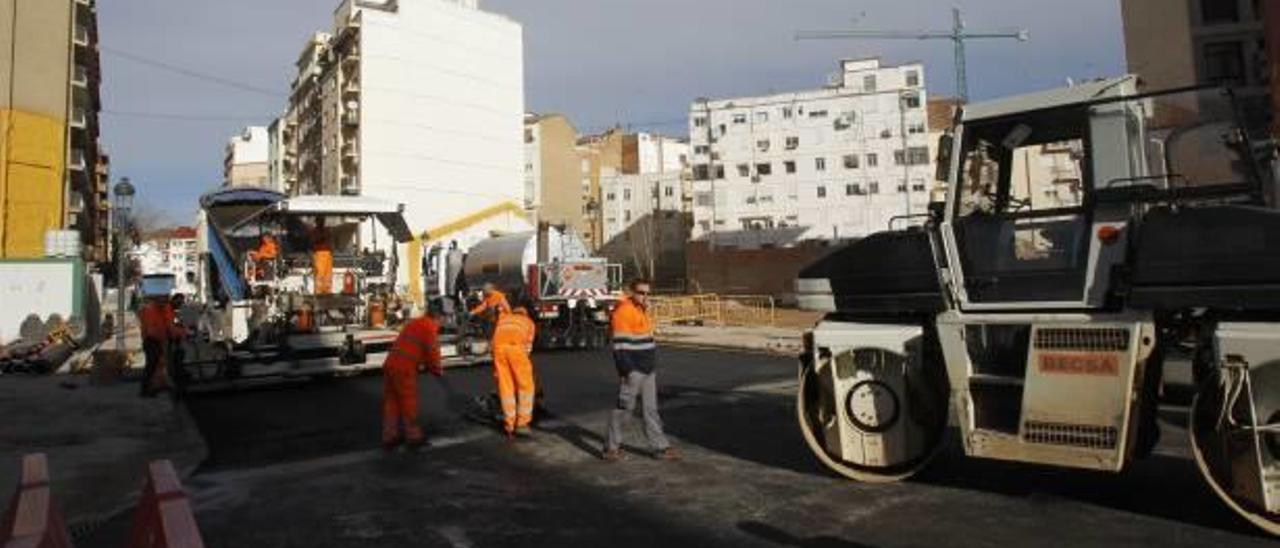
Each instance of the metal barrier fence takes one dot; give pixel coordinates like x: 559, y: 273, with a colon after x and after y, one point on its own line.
x: 747, y: 310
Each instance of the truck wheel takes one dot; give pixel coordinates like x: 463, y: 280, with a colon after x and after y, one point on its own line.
x: 816, y: 411
x: 1239, y: 462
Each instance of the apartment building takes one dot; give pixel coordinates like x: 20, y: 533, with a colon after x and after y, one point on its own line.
x: 616, y: 153
x: 247, y: 159
x: 553, y: 188
x: 646, y: 220
x: 171, y: 251
x: 416, y: 101
x: 832, y: 163
x: 49, y: 103
x: 1178, y: 43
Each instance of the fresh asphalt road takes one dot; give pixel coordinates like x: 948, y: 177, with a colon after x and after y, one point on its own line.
x: 297, y: 465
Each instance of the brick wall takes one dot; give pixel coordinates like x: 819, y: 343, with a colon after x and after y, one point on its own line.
x: 750, y: 271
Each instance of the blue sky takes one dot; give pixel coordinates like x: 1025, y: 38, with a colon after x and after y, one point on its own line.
x: 633, y: 62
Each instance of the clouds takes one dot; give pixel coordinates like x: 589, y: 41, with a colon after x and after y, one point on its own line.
x: 599, y: 61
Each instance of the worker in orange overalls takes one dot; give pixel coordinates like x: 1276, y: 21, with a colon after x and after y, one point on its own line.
x: 512, y: 369
x: 268, y: 250
x: 156, y: 322
x: 322, y: 257
x: 417, y: 349
x: 495, y: 303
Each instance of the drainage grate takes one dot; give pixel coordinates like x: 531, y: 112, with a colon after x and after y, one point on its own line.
x: 1075, y: 435
x: 1106, y: 340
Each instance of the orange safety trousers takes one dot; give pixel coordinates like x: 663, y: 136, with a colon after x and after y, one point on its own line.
x: 400, y: 401
x: 513, y: 372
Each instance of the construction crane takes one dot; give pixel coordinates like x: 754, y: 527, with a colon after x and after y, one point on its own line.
x: 958, y: 36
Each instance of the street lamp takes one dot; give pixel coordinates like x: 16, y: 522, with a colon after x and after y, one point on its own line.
x: 124, y: 192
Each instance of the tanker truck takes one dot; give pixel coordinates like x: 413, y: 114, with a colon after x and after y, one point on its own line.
x: 569, y: 292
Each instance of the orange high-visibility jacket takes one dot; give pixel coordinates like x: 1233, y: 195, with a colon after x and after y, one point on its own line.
x: 495, y: 301
x: 268, y: 249
x: 634, y: 348
x: 418, y: 345
x: 157, y: 321
x: 514, y: 329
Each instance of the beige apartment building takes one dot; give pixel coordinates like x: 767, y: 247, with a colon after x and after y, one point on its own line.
x: 52, y: 173
x: 1179, y: 43
x: 554, y: 187
x: 246, y: 162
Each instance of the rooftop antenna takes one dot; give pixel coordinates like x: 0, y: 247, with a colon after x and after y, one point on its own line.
x: 958, y: 35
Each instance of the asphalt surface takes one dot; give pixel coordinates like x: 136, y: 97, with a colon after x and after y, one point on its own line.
x: 297, y: 465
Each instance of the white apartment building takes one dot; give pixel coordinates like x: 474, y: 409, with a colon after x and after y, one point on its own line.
x: 832, y: 163
x: 416, y: 101
x: 245, y: 162
x: 175, y: 252
x: 660, y: 154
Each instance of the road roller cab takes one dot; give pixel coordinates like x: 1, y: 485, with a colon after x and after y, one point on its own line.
x: 1090, y: 234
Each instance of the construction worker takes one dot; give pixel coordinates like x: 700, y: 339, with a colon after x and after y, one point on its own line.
x: 494, y: 304
x: 417, y: 349
x: 322, y: 257
x: 635, y: 356
x: 268, y: 250
x: 156, y: 322
x: 512, y: 369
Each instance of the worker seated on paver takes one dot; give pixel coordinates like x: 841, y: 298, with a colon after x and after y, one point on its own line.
x: 513, y: 371
x: 417, y: 349
x: 264, y: 257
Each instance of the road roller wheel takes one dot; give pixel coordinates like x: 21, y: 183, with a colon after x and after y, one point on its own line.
x: 814, y: 408
x: 1208, y: 445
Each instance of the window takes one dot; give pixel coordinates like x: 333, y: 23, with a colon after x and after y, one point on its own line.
x: 886, y: 133
x: 720, y: 172
x: 873, y: 187
x: 701, y: 172
x: 1219, y: 11
x: 626, y: 195
x: 1224, y: 62
x: 844, y: 121
x: 704, y: 226
x: 762, y: 117
x: 739, y: 118
x: 528, y: 136
x: 744, y: 170
x: 789, y: 166
x: 869, y: 83
x: 793, y: 143
x: 915, y: 129
x: 723, y: 130
x: 822, y: 191
x: 764, y: 169
x: 820, y: 164
x: 626, y: 216
x: 703, y: 199
x: 851, y: 161
x: 611, y: 197
x: 853, y: 189
x: 762, y: 145
x: 911, y: 101
x: 787, y: 112
x: 872, y: 160
x: 913, y: 78
x: 669, y: 191
x: 700, y: 121
x: 917, y: 186
x: 818, y: 113
x: 918, y: 156
x: 702, y: 149
x: 902, y: 187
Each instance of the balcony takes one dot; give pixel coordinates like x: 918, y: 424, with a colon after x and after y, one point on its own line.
x: 75, y: 202
x: 75, y: 160
x: 81, y: 36
x: 79, y: 118
x: 80, y: 76
x: 350, y: 186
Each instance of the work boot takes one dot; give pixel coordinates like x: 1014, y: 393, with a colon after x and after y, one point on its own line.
x: 611, y: 455
x: 669, y: 453
x: 523, y: 431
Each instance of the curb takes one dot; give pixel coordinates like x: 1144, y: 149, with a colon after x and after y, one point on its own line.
x: 768, y: 351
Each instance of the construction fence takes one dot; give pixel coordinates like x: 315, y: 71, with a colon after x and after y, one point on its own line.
x: 712, y: 309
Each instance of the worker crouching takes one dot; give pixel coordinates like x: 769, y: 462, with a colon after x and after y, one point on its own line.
x: 416, y: 349
x: 513, y: 370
